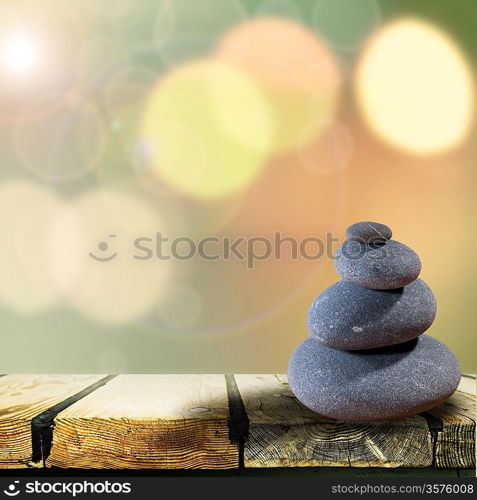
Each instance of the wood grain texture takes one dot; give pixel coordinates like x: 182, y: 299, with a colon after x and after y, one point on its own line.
x: 185, y: 421
x: 283, y: 433
x: 455, y: 443
x: 147, y: 421
x: 22, y: 398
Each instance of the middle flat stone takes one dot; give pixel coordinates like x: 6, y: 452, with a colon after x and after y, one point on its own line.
x: 348, y: 316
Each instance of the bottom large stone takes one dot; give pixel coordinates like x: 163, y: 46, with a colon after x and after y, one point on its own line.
x: 374, y: 384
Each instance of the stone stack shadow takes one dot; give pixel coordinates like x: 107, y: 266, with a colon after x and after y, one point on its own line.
x: 367, y: 357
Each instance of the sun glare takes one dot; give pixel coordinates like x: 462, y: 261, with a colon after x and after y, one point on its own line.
x: 20, y: 52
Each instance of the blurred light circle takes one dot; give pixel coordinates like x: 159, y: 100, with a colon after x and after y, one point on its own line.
x: 144, y: 24
x: 105, y: 57
x: 65, y: 239
x: 63, y: 145
x: 180, y: 308
x: 295, y: 70
x: 128, y: 87
x: 193, y: 216
x: 146, y: 174
x: 330, y: 152
x: 415, y: 88
x: 123, y: 100
x: 26, y: 262
x: 206, y: 129
x: 41, y: 52
x: 115, y: 166
x: 345, y: 23
x: 186, y: 30
x: 279, y: 8
x: 115, y: 286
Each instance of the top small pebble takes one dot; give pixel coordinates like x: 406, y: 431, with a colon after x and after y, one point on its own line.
x: 369, y: 233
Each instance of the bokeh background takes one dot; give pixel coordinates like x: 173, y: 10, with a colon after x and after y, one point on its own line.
x: 223, y: 118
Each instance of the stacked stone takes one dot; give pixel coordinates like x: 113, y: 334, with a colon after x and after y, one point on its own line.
x: 367, y: 357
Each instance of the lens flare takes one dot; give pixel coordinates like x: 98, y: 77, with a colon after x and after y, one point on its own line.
x: 41, y: 53
x: 415, y: 88
x: 124, y: 95
x: 20, y: 52
x: 128, y: 87
x: 296, y: 72
x: 62, y: 145
x: 207, y: 128
x: 105, y: 57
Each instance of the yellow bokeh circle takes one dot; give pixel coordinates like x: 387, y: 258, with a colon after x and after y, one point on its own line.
x: 415, y: 88
x: 207, y: 129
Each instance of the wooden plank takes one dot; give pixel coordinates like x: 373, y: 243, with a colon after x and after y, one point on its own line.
x: 22, y: 398
x: 455, y: 443
x: 186, y: 421
x: 283, y: 433
x: 147, y: 421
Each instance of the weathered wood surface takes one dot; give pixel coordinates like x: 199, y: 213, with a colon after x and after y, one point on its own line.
x: 283, y: 433
x: 148, y: 421
x: 22, y: 397
x: 213, y: 422
x: 455, y: 442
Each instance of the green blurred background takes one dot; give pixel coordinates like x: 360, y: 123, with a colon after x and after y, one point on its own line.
x: 223, y: 118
